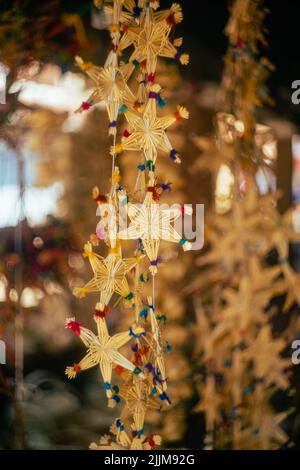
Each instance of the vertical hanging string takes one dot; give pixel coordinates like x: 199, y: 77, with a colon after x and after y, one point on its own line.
x: 148, y: 61
x: 113, y: 161
x: 150, y: 68
x: 153, y: 291
x: 115, y: 43
x: 136, y: 287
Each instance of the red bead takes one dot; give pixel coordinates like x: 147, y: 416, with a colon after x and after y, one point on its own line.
x: 101, y: 198
x: 119, y: 370
x: 151, y: 442
x: 240, y: 43
x: 151, y: 77
x: 171, y: 20
x: 74, y: 326
x: 85, y: 105
x: 177, y: 116
x: 76, y: 368
x: 143, y: 64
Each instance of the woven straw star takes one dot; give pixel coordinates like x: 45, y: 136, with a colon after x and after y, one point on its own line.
x: 151, y: 38
x: 102, y: 350
x: 151, y: 223
x: 119, y: 13
x: 156, y: 354
x: 265, y: 353
x: 147, y: 132
x: 137, y: 442
x: 110, y: 88
x: 116, y: 11
x: 265, y: 431
x: 107, y: 442
x: 242, y: 230
x: 244, y: 305
x: 138, y: 400
x: 109, y: 276
x: 282, y: 234
x: 210, y: 403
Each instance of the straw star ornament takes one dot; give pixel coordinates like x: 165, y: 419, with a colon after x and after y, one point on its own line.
x: 119, y: 15
x: 121, y: 11
x: 151, y: 223
x: 109, y: 276
x: 265, y: 353
x: 138, y: 399
x: 110, y: 88
x: 102, y: 350
x: 108, y: 442
x: 155, y: 345
x: 147, y: 132
x: 210, y: 402
x: 151, y: 39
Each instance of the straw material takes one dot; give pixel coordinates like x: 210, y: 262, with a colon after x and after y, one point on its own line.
x: 102, y: 351
x: 109, y: 276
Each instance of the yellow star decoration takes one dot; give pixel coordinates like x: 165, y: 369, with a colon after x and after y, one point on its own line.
x: 151, y: 223
x: 241, y: 231
x: 118, y: 16
x: 265, y: 353
x: 109, y: 276
x: 110, y: 88
x: 243, y: 306
x: 138, y: 400
x: 151, y: 38
x: 210, y: 402
x: 103, y: 350
x: 156, y: 355
x: 147, y: 132
x: 281, y: 236
x: 121, y: 441
x: 266, y: 432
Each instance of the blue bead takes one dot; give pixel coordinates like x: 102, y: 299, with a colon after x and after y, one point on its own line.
x: 122, y: 108
x: 107, y: 385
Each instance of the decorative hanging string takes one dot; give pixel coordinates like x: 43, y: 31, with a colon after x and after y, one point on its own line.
x: 153, y: 291
x: 115, y: 45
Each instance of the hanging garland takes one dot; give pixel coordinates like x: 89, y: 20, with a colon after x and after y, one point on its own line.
x: 240, y: 348
x: 146, y: 30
